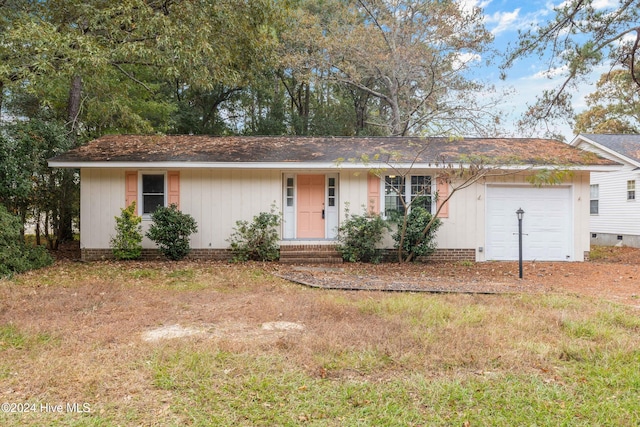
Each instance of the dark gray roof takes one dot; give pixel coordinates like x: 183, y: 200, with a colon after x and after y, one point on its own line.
x: 244, y: 149
x: 627, y: 145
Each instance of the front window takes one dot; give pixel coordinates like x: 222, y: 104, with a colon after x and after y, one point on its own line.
x: 393, y: 194
x: 631, y: 190
x: 153, y: 192
x: 595, y: 196
x: 421, y: 192
x: 415, y: 190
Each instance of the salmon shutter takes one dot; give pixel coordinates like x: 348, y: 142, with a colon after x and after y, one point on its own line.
x: 131, y: 188
x: 373, y: 193
x: 443, y: 192
x: 173, y: 193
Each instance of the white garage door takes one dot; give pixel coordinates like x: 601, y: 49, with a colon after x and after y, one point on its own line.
x: 546, y: 225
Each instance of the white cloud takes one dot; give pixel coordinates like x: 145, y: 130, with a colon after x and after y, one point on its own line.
x: 504, y: 21
x: 464, y: 59
x: 550, y: 73
x: 605, y: 4
x: 469, y: 5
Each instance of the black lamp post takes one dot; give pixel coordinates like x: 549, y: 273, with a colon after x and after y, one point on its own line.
x: 520, y: 214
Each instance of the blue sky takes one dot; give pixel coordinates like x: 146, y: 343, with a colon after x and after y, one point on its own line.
x: 529, y: 77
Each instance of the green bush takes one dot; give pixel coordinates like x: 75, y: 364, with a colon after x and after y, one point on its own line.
x: 15, y: 256
x: 127, y: 244
x: 414, y: 242
x: 258, y: 240
x: 170, y: 230
x: 359, y: 236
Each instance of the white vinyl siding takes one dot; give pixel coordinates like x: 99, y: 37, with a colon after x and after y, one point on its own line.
x: 616, y: 214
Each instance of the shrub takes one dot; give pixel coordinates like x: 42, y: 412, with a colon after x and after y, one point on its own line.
x: 414, y: 242
x: 170, y: 230
x: 15, y: 255
x: 359, y: 235
x: 258, y: 240
x: 127, y: 242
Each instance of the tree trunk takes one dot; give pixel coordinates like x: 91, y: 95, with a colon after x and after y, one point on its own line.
x: 1, y: 98
x: 73, y: 108
x: 65, y: 224
x: 37, y: 217
x: 64, y: 230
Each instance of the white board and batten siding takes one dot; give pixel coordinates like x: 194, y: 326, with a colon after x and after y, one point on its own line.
x: 218, y: 198
x: 102, y: 195
x: 215, y: 198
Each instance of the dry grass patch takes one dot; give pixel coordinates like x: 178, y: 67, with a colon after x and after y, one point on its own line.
x: 75, y: 333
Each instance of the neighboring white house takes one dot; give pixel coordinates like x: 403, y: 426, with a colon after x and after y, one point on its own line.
x: 312, y: 180
x: 615, y: 208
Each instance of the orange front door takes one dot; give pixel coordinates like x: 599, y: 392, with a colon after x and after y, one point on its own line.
x: 310, y: 206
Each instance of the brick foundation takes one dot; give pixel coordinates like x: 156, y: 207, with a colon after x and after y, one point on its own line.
x: 320, y: 253
x: 453, y: 255
x: 154, y: 254
x: 440, y: 255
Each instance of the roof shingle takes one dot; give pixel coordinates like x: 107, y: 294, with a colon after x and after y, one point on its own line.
x: 627, y: 145
x: 250, y: 149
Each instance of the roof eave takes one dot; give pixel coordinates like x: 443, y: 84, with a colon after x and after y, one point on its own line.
x: 583, y: 139
x: 311, y: 165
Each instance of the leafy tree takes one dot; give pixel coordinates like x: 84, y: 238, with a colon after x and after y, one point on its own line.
x: 127, y: 243
x: 613, y: 108
x: 410, y: 57
x: 171, y: 230
x: 15, y: 256
x: 28, y: 187
x: 583, y: 34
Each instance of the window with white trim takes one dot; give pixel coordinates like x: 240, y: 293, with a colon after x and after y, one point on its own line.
x: 594, y: 199
x: 153, y: 194
x: 631, y: 190
x: 414, y: 190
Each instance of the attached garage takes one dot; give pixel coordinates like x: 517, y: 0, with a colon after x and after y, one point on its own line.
x: 546, y: 226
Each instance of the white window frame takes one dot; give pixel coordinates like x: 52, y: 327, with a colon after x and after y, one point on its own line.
x: 594, y: 196
x: 141, y: 194
x: 406, y: 192
x: 631, y: 190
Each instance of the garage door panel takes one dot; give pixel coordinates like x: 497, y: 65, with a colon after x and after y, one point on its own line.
x: 546, y: 225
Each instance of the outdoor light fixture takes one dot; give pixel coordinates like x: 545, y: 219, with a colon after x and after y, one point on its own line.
x: 520, y: 214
